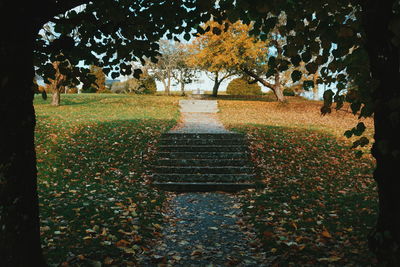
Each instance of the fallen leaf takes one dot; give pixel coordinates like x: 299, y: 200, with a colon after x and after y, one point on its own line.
x: 330, y: 259
x: 326, y: 234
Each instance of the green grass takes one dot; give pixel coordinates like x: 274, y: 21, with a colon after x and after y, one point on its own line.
x: 92, y: 151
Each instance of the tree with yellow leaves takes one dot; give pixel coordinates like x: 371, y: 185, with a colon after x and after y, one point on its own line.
x: 224, y: 48
x: 228, y: 48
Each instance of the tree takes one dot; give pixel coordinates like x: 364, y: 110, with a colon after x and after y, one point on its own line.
x: 171, y: 65
x: 183, y: 73
x: 163, y: 68
x: 280, y: 66
x: 230, y: 47
x: 366, y: 33
x: 99, y: 85
x: 60, y: 82
x: 57, y: 84
x: 221, y: 48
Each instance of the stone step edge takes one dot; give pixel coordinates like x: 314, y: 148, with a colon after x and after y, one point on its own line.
x: 202, y: 163
x: 201, y: 155
x: 200, y: 167
x: 203, y: 140
x: 203, y: 187
x: 231, y: 153
x: 202, y: 170
x: 206, y: 145
x: 232, y: 135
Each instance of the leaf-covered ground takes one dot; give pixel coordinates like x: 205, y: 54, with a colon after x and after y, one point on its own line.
x: 96, y: 205
x: 95, y: 202
x: 319, y: 202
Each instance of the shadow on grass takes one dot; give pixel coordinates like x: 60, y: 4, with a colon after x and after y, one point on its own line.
x: 84, y: 99
x: 93, y: 193
x: 261, y: 98
x: 78, y: 99
x: 320, y: 202
x: 264, y: 98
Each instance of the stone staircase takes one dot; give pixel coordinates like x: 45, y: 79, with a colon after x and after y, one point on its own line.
x: 203, y: 162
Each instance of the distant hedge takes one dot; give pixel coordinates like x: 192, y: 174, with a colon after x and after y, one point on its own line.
x: 289, y: 91
x: 241, y: 86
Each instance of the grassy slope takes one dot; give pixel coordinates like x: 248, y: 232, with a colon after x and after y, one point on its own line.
x: 94, y: 199
x: 319, y: 202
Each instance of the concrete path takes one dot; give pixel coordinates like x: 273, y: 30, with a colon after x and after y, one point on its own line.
x: 199, y: 116
x: 204, y: 229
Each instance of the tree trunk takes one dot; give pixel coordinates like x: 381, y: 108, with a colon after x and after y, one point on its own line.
x: 216, y: 84
x: 55, y: 100
x: 215, y: 88
x: 19, y: 209
x: 384, y: 65
x: 277, y: 89
x: 315, y: 88
x: 182, y: 82
x: 168, y: 88
x: 183, y: 93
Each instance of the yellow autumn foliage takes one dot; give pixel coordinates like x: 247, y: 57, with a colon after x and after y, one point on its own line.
x: 232, y: 49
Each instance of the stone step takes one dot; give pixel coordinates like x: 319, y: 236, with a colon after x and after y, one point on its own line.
x: 220, y: 177
x: 214, y: 148
x: 233, y: 141
x: 201, y: 170
x: 203, y: 155
x: 202, y: 187
x: 202, y: 162
x: 180, y: 136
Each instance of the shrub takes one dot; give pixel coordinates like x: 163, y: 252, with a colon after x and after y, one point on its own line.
x: 145, y: 85
x: 105, y: 91
x: 241, y: 86
x: 133, y: 85
x: 149, y: 84
x: 73, y: 90
x: 288, y: 92
x: 119, y: 87
x: 90, y: 89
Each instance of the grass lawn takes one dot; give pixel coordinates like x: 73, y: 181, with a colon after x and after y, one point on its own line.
x: 96, y: 205
x: 319, y: 202
x: 95, y: 201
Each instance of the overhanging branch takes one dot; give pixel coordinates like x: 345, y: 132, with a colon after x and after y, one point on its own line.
x: 258, y: 79
x: 52, y: 8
